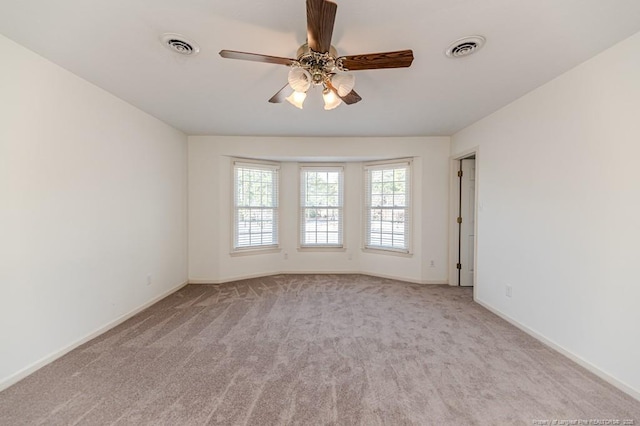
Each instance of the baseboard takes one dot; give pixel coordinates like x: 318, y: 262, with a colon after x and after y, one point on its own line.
x: 268, y: 274
x: 248, y: 277
x: 405, y: 279
x: 232, y: 279
x: 573, y: 357
x: 203, y: 282
x: 314, y: 272
x: 30, y: 369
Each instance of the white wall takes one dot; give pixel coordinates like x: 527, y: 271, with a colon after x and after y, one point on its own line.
x: 559, y: 199
x: 93, y: 197
x: 210, y: 211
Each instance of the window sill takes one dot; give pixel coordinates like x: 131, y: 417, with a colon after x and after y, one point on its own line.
x: 321, y: 249
x: 389, y: 252
x: 253, y: 251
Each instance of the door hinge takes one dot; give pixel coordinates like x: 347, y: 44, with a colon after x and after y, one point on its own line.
x: 459, y: 219
x: 460, y: 173
x: 458, y: 265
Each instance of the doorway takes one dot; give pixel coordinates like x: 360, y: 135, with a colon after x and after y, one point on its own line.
x: 466, y: 221
x: 463, y: 215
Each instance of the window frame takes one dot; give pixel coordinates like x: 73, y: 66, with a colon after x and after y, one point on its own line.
x: 251, y: 164
x: 302, y: 207
x: 368, y: 167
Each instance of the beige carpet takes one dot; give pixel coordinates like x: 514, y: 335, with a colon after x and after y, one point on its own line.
x: 312, y: 350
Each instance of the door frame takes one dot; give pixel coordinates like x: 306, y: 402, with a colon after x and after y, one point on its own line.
x: 454, y: 230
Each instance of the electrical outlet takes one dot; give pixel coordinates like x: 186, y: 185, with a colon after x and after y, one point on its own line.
x: 149, y: 279
x: 508, y: 290
x: 286, y: 256
x: 432, y: 264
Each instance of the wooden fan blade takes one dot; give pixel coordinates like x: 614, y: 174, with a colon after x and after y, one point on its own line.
x: 351, y: 98
x: 256, y: 57
x: 281, y: 95
x: 371, y: 61
x: 321, y: 15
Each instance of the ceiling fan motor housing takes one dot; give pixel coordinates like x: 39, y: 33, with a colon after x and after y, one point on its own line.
x: 320, y: 65
x: 305, y: 50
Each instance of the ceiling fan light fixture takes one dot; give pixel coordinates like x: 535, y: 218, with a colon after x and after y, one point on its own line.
x: 331, y: 100
x: 317, y: 63
x: 299, y: 79
x: 296, y: 99
x: 343, y: 83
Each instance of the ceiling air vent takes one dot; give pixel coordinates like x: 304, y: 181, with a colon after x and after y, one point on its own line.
x: 465, y: 46
x: 179, y: 44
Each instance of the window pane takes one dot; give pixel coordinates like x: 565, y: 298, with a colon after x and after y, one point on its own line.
x: 321, y: 202
x: 387, y: 204
x: 256, y: 206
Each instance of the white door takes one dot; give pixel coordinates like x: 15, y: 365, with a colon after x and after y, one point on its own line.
x: 468, y: 225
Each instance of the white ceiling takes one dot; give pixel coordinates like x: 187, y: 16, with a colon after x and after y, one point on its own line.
x: 115, y: 44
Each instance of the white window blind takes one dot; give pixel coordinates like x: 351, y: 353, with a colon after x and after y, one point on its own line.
x: 321, y: 206
x: 388, y: 205
x: 255, y: 205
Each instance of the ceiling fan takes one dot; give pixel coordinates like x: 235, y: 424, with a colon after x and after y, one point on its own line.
x: 318, y: 64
